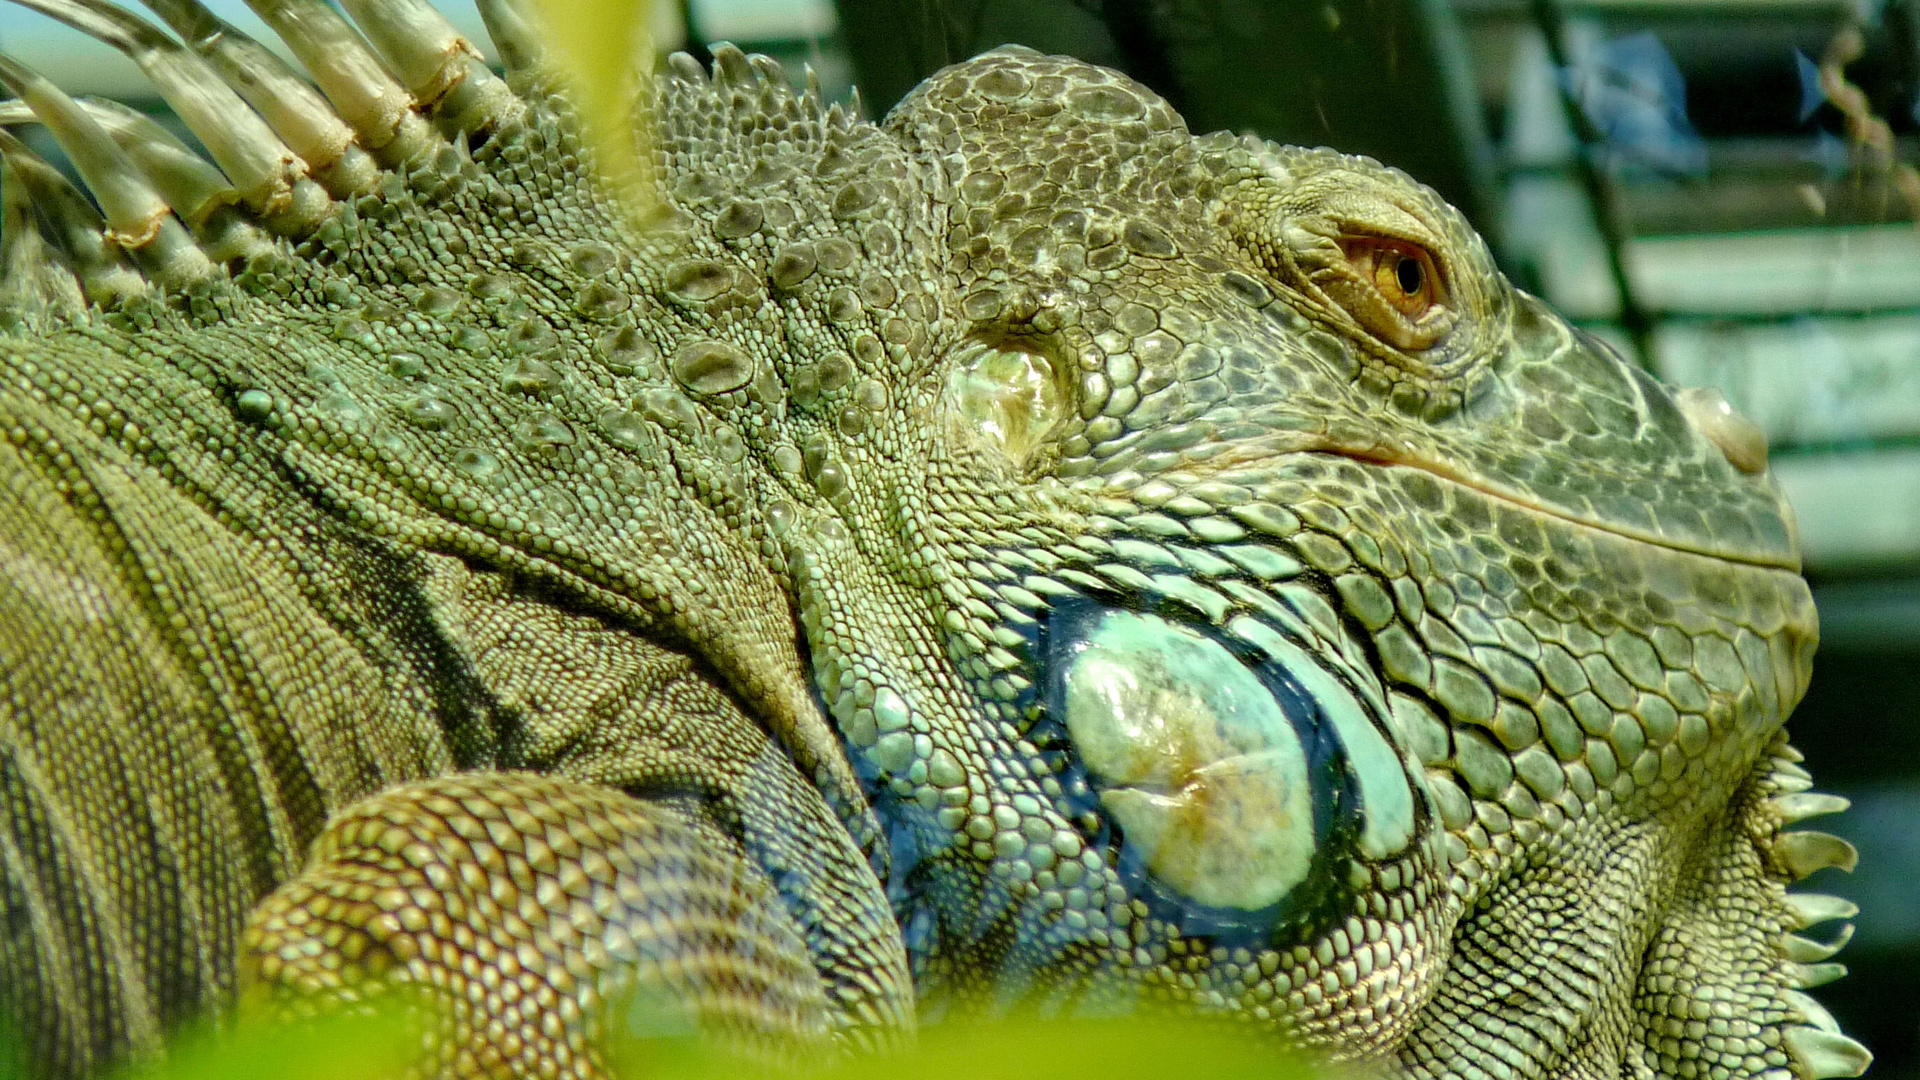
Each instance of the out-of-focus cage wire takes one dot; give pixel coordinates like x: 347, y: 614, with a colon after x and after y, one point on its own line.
x: 1726, y: 189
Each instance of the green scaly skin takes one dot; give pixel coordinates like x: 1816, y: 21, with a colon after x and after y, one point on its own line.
x: 483, y: 592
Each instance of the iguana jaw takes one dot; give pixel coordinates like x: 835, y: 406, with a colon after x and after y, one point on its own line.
x: 1382, y: 452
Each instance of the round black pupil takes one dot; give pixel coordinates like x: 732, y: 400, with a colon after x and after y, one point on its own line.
x: 1408, y: 274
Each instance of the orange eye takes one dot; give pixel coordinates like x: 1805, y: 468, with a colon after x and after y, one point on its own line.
x: 1403, y: 273
x: 1393, y: 288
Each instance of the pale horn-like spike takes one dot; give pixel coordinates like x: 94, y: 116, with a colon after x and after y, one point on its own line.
x: 768, y: 70
x: 1809, y: 976
x: 1811, y: 909
x: 72, y: 225
x: 686, y: 69
x: 188, y: 182
x: 197, y: 191
x: 731, y: 68
x: 1811, y: 1011
x: 441, y: 69
x: 377, y: 107
x: 291, y: 106
x: 1818, y: 1054
x: 266, y: 173
x: 1798, y: 806
x: 1788, y: 777
x: 1802, y: 853
x: 514, y: 35
x: 138, y: 219
x: 1803, y: 950
x: 34, y: 279
x: 810, y: 98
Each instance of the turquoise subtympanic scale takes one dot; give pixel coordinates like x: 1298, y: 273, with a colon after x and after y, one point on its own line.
x: 1196, y: 760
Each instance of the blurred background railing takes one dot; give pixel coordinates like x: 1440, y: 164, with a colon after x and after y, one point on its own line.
x: 1724, y: 188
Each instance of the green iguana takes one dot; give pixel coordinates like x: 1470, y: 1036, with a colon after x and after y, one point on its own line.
x: 1019, y: 556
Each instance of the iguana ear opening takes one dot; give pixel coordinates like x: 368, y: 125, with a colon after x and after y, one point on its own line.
x: 1011, y: 393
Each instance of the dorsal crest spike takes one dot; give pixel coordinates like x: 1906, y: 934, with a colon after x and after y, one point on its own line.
x: 811, y: 98
x: 189, y: 183
x: 71, y: 225
x: 730, y: 66
x: 34, y: 280
x: 365, y: 95
x: 199, y: 194
x: 262, y: 168
x: 768, y: 71
x: 138, y: 219
x: 438, y: 66
x: 513, y: 34
x: 295, y: 111
x: 685, y: 68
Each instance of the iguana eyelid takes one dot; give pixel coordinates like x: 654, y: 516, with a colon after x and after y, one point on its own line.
x: 1341, y: 272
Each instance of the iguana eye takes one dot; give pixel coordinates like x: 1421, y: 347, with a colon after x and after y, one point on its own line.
x: 1394, y: 291
x: 1403, y: 278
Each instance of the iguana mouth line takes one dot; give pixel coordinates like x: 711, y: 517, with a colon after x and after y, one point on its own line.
x: 1537, y: 507
x: 1381, y: 454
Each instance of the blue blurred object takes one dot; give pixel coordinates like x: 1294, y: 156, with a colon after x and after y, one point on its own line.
x: 1830, y: 152
x: 1632, y: 91
x: 1812, y: 94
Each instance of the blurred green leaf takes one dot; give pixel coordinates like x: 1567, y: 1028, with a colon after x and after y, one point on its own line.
x: 362, y: 1046
x: 1129, y: 1049
x: 344, y: 1046
x: 603, y: 53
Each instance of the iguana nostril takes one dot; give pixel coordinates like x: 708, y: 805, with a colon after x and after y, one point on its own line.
x: 1737, y: 437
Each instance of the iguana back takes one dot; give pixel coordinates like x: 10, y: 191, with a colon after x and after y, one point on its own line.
x: 245, y: 592
x: 202, y: 665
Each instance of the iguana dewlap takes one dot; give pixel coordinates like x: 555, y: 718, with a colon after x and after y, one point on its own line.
x: 1019, y: 556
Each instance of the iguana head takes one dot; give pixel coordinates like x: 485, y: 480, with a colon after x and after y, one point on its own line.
x: 1249, y: 600
x: 1223, y: 589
